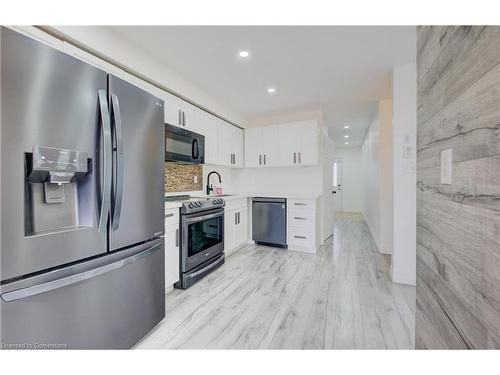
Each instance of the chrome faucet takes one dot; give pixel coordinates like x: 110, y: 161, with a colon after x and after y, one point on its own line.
x: 210, y: 188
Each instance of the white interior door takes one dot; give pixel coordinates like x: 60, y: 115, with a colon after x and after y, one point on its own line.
x: 337, y: 184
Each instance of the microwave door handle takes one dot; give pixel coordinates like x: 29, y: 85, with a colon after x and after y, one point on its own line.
x: 117, y: 120
x: 107, y: 160
x: 203, y: 217
x: 195, y: 153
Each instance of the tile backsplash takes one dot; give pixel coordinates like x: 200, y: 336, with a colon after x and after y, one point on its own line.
x: 182, y: 177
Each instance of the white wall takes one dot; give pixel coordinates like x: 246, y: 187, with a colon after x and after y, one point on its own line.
x: 376, y: 161
x: 371, y: 185
x: 403, y: 264
x: 352, y: 181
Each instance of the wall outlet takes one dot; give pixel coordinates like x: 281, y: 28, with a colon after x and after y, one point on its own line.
x: 446, y: 166
x: 195, y: 179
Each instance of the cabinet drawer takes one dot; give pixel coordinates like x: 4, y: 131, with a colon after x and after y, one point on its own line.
x: 301, y: 218
x: 304, y: 204
x: 236, y: 203
x: 172, y: 216
x: 300, y: 237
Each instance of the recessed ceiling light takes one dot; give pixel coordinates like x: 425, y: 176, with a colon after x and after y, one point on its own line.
x: 346, y: 126
x: 271, y: 90
x: 244, y: 54
x: 346, y: 143
x: 346, y: 136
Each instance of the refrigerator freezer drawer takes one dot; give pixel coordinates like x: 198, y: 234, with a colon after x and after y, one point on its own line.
x: 107, y: 303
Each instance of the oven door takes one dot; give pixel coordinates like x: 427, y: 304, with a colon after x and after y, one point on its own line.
x: 202, y: 237
x: 183, y: 145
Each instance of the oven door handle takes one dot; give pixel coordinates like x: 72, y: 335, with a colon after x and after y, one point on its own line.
x: 211, y: 265
x: 203, y: 218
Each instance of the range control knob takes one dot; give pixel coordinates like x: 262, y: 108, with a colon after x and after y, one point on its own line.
x: 200, y: 204
x: 190, y: 205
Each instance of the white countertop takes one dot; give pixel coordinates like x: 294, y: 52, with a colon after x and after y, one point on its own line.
x: 230, y: 197
x: 289, y: 195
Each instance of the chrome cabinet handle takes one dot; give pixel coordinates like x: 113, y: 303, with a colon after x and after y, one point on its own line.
x: 107, y: 160
x: 183, y: 118
x: 300, y: 162
x: 301, y: 237
x: 264, y: 159
x: 177, y: 238
x: 169, y: 215
x: 73, y: 279
x: 238, y: 218
x: 300, y: 218
x: 115, y: 110
x: 260, y: 159
x: 294, y: 158
x: 300, y: 204
x: 235, y: 218
x: 180, y: 117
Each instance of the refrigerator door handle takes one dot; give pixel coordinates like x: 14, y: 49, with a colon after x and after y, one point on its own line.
x: 107, y: 160
x: 73, y: 279
x: 115, y: 107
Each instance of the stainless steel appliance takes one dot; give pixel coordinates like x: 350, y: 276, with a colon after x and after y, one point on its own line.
x: 269, y: 221
x: 82, y: 217
x: 184, y: 146
x: 202, y: 239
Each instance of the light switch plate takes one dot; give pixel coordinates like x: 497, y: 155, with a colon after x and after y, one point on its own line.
x: 195, y: 179
x: 446, y: 166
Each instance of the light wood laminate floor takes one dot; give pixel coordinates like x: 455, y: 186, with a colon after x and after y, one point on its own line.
x: 267, y: 298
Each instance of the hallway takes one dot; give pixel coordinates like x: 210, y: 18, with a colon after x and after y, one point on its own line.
x: 267, y: 298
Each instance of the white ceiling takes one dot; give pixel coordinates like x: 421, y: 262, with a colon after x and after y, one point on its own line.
x: 342, y: 70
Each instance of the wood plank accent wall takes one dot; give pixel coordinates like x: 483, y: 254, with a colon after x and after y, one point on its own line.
x: 458, y: 225
x: 180, y: 177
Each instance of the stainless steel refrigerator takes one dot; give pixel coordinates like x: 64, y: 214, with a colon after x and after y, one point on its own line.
x: 82, y: 210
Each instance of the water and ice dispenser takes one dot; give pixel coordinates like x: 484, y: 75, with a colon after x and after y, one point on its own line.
x: 58, y: 190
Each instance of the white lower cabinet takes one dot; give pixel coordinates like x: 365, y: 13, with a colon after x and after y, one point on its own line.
x: 172, y: 242
x: 235, y: 225
x: 303, y: 226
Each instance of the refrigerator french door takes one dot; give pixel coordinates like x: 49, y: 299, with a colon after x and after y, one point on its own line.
x: 81, y: 202
x: 138, y: 189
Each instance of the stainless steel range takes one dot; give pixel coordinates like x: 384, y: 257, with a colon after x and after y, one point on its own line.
x: 202, y: 239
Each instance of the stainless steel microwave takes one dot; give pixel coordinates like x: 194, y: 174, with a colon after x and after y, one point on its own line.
x: 184, y: 146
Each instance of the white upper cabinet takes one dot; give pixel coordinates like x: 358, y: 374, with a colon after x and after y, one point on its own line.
x: 172, y: 108
x: 262, y: 146
x: 308, y: 143
x: 208, y: 127
x: 191, y: 116
x: 253, y: 147
x: 299, y: 143
x: 271, y: 146
x: 180, y: 113
x: 230, y: 145
x: 237, y: 146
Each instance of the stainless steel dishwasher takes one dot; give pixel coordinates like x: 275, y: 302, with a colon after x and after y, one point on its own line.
x: 269, y: 221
